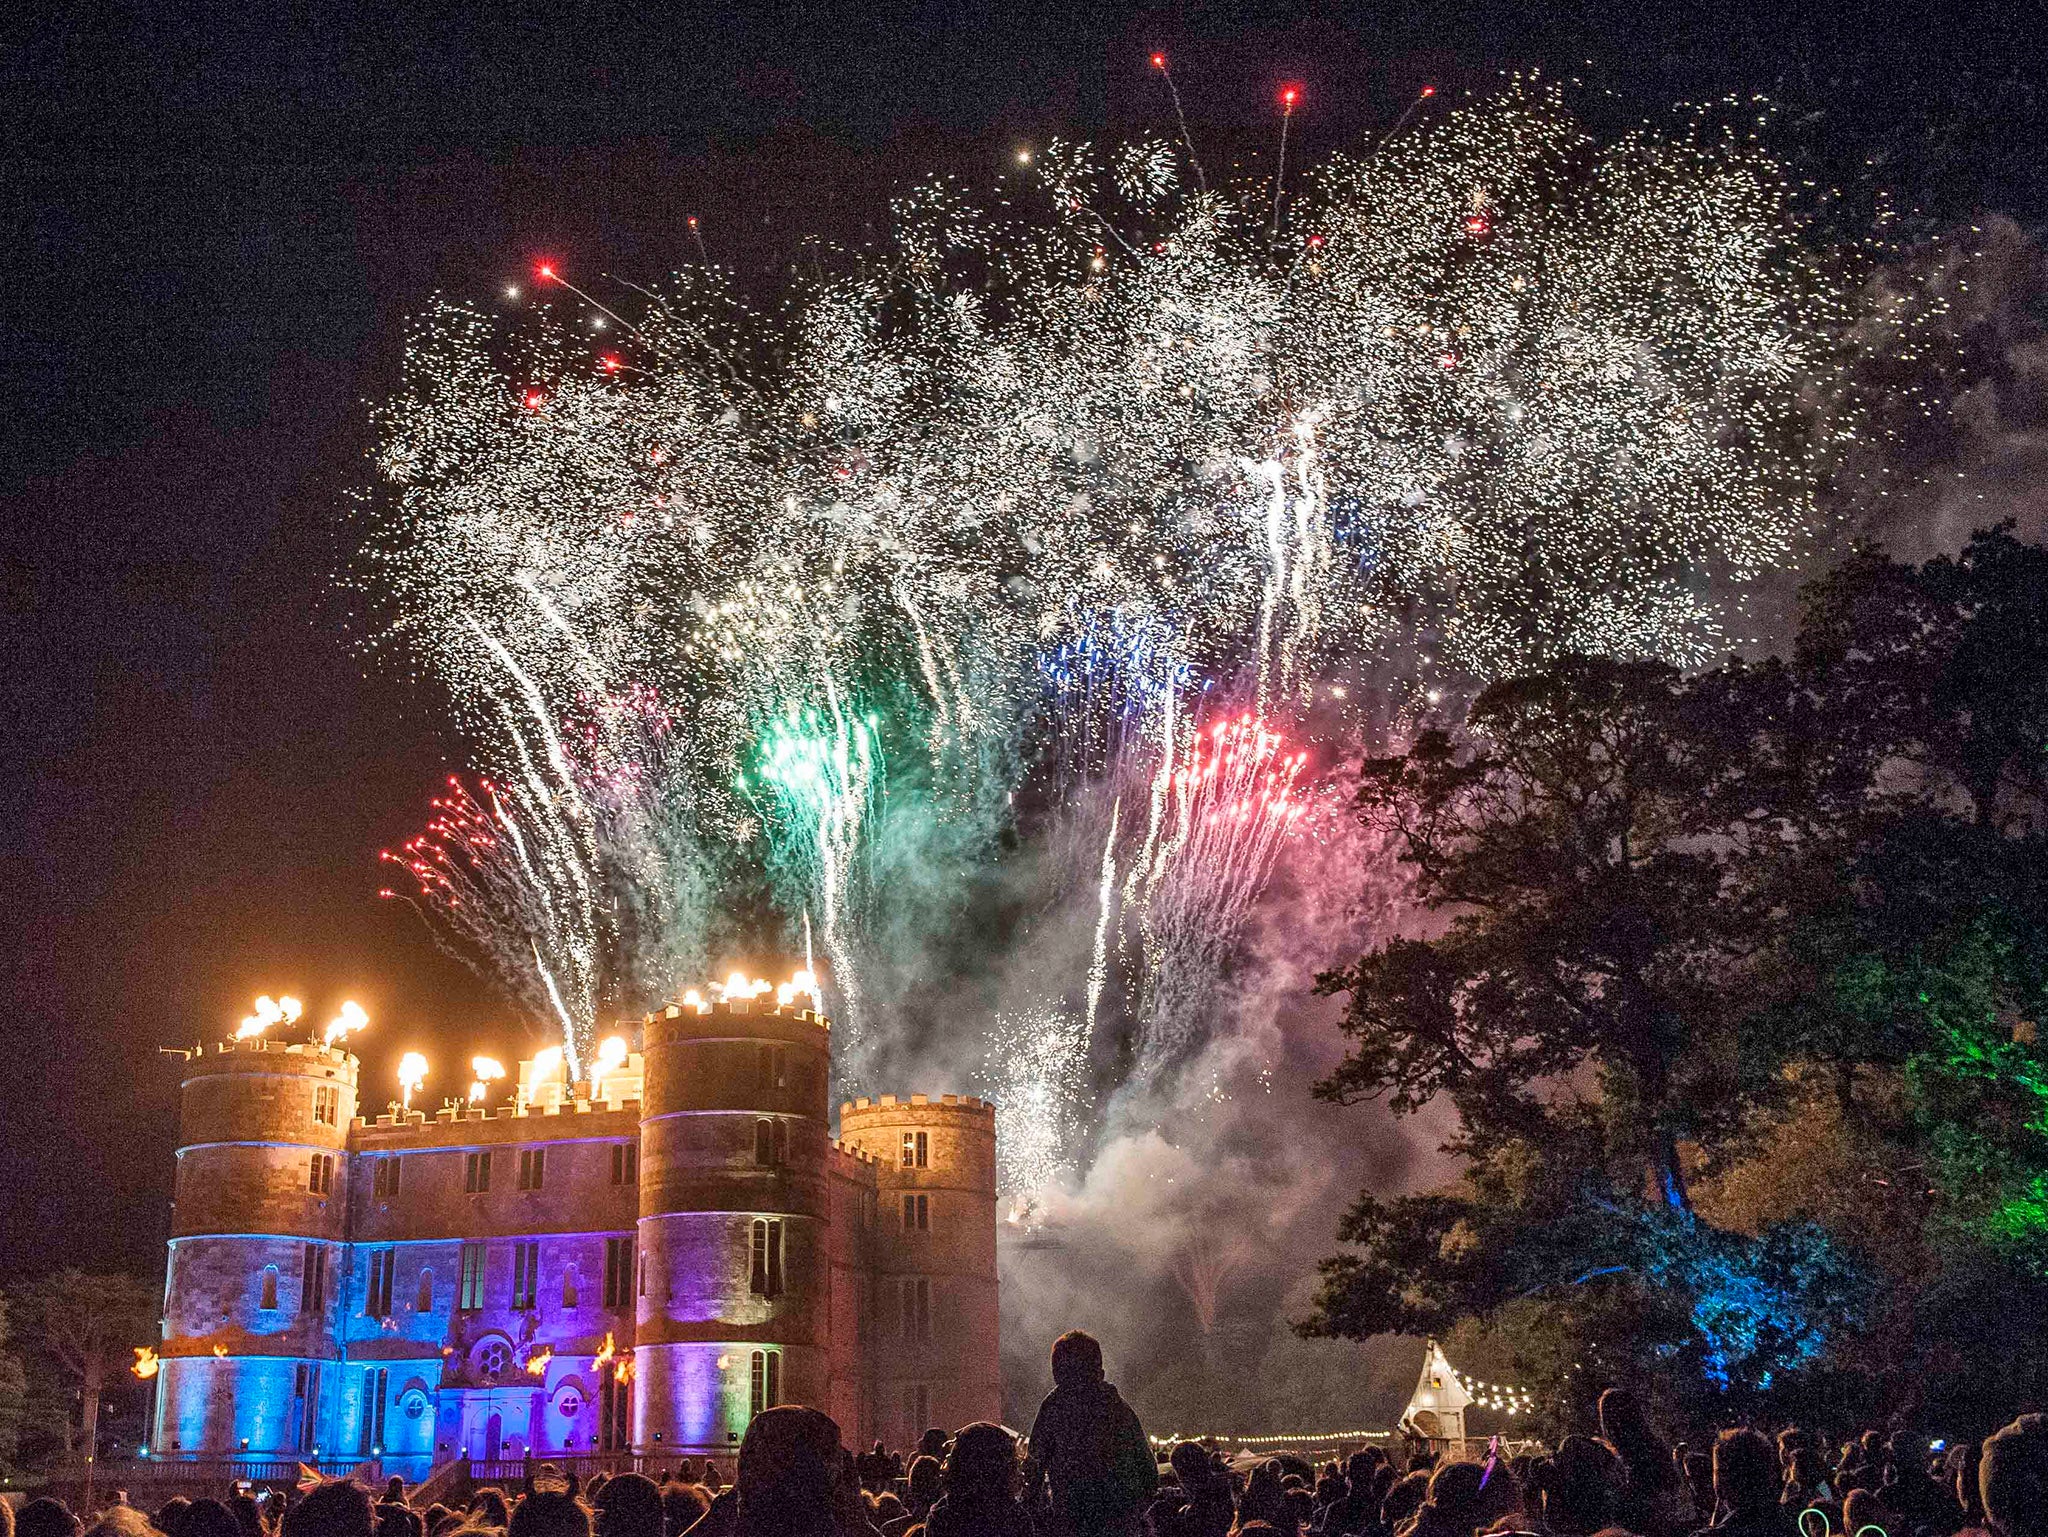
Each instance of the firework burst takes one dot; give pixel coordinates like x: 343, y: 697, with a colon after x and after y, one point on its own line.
x: 1015, y: 502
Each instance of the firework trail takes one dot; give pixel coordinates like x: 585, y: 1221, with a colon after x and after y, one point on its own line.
x: 1232, y: 800
x: 821, y: 772
x: 511, y: 880
x: 1017, y: 501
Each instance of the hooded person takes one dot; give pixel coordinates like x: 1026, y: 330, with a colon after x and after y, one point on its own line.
x: 1087, y: 1443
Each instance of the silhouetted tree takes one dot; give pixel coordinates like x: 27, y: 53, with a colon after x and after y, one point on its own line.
x: 1672, y: 910
x: 86, y: 1328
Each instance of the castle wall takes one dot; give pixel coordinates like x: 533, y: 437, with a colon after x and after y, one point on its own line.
x: 851, y: 1188
x: 932, y: 1352
x: 576, y: 1192
x: 495, y: 1344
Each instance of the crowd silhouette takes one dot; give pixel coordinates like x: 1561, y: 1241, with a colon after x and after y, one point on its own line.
x: 1088, y: 1470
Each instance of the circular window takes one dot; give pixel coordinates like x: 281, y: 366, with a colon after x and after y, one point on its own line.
x: 492, y: 1357
x: 570, y: 1405
x: 415, y: 1405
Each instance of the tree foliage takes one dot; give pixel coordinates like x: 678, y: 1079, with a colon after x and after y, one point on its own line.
x: 1683, y: 922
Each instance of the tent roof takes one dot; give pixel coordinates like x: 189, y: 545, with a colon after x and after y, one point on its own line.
x: 1438, y: 1388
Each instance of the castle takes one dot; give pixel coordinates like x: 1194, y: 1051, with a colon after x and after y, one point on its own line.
x: 636, y: 1265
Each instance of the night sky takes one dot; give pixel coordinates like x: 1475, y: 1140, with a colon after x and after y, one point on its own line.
x: 217, y: 219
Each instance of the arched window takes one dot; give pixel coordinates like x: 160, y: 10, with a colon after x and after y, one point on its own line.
x: 917, y: 1308
x: 764, y: 1387
x: 269, y: 1298
x: 569, y: 1285
x: 765, y: 1271
x: 781, y: 1143
x: 423, y: 1301
x: 764, y: 1144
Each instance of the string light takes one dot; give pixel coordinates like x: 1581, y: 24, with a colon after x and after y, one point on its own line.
x: 1304, y: 1439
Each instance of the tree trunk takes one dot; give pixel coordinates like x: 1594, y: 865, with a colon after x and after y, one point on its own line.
x: 1670, y: 1173
x: 90, y: 1386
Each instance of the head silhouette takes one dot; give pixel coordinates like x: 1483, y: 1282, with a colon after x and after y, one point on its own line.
x: 982, y: 1464
x: 2012, y: 1475
x: 1076, y: 1360
x: 1746, y: 1475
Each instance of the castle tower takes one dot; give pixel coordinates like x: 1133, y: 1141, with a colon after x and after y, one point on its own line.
x: 933, y: 1351
x: 734, y: 1280
x: 255, y: 1281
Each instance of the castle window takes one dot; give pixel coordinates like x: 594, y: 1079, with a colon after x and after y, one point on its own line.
x: 625, y: 1163
x: 570, y: 1297
x: 476, y: 1178
x: 423, y: 1299
x: 326, y: 1104
x: 771, y: 1143
x: 917, y: 1410
x: 306, y: 1406
x: 377, y: 1304
x: 917, y: 1149
x: 268, y: 1300
x: 766, y: 1271
x: 313, y: 1278
x: 376, y: 1383
x: 781, y: 1143
x: 320, y: 1173
x: 618, y: 1272
x: 471, y: 1297
x: 917, y: 1214
x: 916, y: 1318
x: 533, y: 1167
x: 643, y: 1275
x: 764, y: 1385
x: 384, y: 1177
x: 525, y: 1275
x: 614, y: 1414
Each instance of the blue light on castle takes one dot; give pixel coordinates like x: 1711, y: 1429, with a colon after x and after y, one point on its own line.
x: 634, y: 1266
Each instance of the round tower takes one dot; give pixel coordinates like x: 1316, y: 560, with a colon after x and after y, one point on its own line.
x: 933, y: 1352
x: 253, y: 1289
x: 734, y: 1280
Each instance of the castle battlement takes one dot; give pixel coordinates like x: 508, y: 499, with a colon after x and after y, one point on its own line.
x: 967, y: 1104
x: 742, y: 1007
x: 264, y: 1046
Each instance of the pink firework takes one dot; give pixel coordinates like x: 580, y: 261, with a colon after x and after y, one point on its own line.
x: 507, y: 876
x: 1229, y: 802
